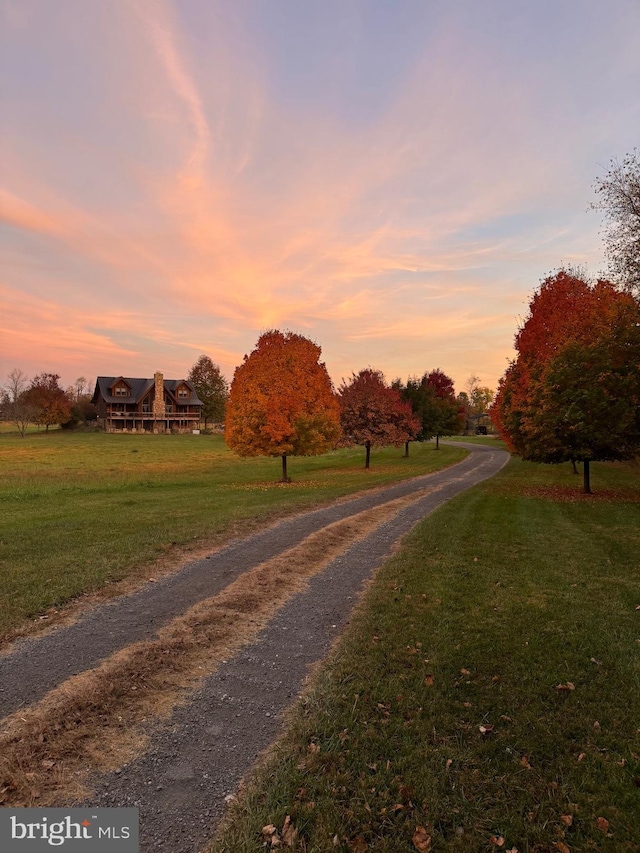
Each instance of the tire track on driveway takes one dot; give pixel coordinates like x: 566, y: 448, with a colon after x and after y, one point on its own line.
x: 198, y: 759
x: 36, y: 665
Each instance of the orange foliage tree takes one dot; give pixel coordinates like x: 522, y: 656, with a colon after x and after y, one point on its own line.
x: 281, y: 401
x: 47, y: 400
x: 573, y: 392
x: 374, y: 414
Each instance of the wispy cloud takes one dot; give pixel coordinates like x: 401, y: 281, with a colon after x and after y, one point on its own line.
x: 238, y: 208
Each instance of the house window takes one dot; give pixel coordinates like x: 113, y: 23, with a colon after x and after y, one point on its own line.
x: 121, y: 391
x: 182, y: 392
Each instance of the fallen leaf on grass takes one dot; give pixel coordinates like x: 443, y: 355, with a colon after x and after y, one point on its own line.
x: 393, y: 809
x: 485, y: 730
x: 449, y: 763
x: 602, y: 823
x: 421, y: 839
x: 582, y: 756
x: 288, y: 832
x: 429, y: 680
x: 525, y: 762
x: 567, y: 687
x: 561, y: 846
x: 465, y: 672
x: 498, y: 840
x: 358, y: 844
x: 567, y: 819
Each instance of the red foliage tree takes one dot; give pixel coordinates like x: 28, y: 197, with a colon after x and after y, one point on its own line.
x: 47, y: 400
x: 573, y: 393
x: 281, y: 401
x: 448, y: 415
x: 373, y: 413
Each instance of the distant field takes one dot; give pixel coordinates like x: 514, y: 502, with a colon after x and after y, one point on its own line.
x: 81, y: 510
x: 7, y: 428
x: 491, y: 440
x: 486, y: 695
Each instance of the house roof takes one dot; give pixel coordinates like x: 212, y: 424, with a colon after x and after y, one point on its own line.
x: 140, y: 388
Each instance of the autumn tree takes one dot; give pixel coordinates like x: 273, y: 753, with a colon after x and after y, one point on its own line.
x: 573, y: 392
x: 447, y: 415
x: 434, y: 403
x: 281, y: 401
x: 619, y: 199
x: 82, y: 410
x: 373, y: 413
x: 420, y: 398
x: 211, y: 387
x: 16, y: 408
x: 48, y: 400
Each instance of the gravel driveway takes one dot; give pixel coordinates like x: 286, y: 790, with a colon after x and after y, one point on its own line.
x: 197, y: 759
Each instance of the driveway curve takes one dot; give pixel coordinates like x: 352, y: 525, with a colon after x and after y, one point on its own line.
x: 197, y: 760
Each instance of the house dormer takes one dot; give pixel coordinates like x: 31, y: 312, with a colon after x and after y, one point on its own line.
x: 120, y: 388
x: 183, y: 392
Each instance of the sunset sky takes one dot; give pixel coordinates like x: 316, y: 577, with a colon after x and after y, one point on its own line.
x: 391, y: 178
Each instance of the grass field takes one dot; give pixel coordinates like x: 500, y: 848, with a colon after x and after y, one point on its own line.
x: 7, y: 428
x: 82, y: 510
x: 487, y: 694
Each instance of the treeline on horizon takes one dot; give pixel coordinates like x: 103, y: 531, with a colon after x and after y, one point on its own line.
x: 571, y: 394
x: 281, y: 402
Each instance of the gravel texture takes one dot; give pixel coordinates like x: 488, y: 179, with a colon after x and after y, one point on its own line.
x: 199, y: 757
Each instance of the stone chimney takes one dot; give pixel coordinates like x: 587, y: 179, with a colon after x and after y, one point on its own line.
x: 158, y: 401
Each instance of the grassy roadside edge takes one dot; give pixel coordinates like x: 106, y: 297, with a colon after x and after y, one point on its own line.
x: 470, y: 710
x: 72, y: 537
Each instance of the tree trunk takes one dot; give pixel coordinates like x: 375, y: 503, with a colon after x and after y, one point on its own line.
x: 285, y: 479
x: 367, y: 445
x: 587, y: 478
x: 437, y: 442
x: 574, y: 466
x: 406, y: 449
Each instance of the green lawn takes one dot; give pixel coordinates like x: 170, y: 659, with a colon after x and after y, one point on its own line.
x: 8, y: 428
x: 487, y: 693
x: 487, y: 440
x: 80, y: 510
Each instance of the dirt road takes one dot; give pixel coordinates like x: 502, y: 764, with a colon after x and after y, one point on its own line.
x: 192, y: 763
